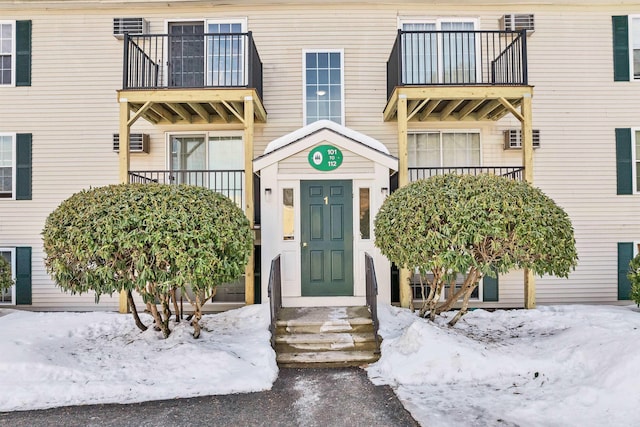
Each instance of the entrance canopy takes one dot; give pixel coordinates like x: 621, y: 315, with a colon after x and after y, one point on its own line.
x: 334, y: 133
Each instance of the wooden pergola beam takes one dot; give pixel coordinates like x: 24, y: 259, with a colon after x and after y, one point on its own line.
x: 511, y: 109
x: 139, y: 113
x: 162, y: 112
x: 448, y: 109
x: 200, y: 111
x: 469, y: 108
x: 183, y: 113
x: 416, y: 109
x: 233, y: 111
x: 220, y: 111
x: 431, y: 105
x: 484, y: 112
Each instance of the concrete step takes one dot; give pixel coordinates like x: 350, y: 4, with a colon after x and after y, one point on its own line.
x: 315, y: 320
x: 326, y: 358
x: 325, y: 338
x: 292, y: 343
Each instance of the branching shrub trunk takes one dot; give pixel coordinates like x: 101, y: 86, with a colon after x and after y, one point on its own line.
x: 149, y: 238
x: 478, y: 226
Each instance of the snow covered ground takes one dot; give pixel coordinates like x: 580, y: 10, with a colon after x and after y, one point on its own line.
x: 554, y: 366
x: 58, y: 359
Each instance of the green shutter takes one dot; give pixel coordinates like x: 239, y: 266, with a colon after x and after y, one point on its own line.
x: 620, y: 48
x: 625, y: 255
x: 623, y: 161
x: 490, y: 288
x: 23, y: 53
x: 23, y: 275
x: 23, y: 166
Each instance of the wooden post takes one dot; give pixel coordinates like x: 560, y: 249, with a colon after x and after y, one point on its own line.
x: 124, y: 162
x: 527, y: 162
x: 403, y: 179
x: 249, y: 278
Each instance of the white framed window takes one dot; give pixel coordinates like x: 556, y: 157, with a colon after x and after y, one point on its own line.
x: 476, y: 295
x: 8, y: 296
x: 634, y: 46
x: 323, y: 91
x: 226, y: 62
x: 635, y: 155
x: 431, y: 54
x: 7, y: 53
x: 444, y: 149
x: 217, y: 59
x: 208, y: 159
x: 7, y: 166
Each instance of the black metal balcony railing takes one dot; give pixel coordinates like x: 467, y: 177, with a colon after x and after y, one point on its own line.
x: 422, y: 58
x: 513, y: 172
x: 227, y: 182
x: 214, y: 60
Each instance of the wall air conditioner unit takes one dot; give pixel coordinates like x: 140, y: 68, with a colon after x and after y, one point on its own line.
x: 513, y: 139
x: 138, y: 143
x: 129, y: 25
x: 518, y: 22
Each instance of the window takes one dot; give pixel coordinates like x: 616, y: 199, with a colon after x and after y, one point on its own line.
x: 7, y: 295
x: 15, y: 53
x: 444, y: 149
x: 7, y: 166
x: 365, y: 214
x: 213, y: 161
x: 7, y: 52
x: 323, y: 88
x: 634, y: 36
x: 217, y: 59
x: 441, y: 51
x: 225, y: 54
x: 417, y: 290
x: 635, y: 147
x: 288, y: 217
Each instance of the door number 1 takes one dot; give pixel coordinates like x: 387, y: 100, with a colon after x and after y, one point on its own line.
x: 326, y: 200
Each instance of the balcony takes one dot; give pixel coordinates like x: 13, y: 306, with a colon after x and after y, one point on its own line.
x: 230, y: 183
x: 513, y: 172
x: 457, y: 75
x: 192, y: 78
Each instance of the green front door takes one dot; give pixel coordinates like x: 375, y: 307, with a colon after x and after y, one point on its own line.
x: 327, y: 238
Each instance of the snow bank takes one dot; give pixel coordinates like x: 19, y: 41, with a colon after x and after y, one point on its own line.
x: 58, y: 359
x: 564, y: 366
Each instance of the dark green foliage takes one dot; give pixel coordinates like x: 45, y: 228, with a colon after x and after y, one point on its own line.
x: 5, y: 274
x: 634, y: 278
x: 147, y: 238
x: 476, y: 225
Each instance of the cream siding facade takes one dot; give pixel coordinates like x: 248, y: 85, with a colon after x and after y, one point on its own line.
x: 71, y: 110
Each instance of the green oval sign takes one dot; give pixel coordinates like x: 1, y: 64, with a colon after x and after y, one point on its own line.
x: 325, y: 158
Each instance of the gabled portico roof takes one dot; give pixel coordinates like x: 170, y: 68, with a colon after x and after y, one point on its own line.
x: 325, y: 131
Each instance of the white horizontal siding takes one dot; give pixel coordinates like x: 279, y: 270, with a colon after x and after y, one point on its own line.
x: 71, y: 110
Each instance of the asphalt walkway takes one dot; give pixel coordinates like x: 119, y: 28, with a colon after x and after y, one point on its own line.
x: 299, y: 397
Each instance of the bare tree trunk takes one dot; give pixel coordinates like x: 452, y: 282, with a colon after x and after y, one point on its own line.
x: 196, y: 317
x: 453, y: 295
x: 134, y: 312
x: 465, y: 306
x: 175, y: 304
x: 160, y: 323
x: 471, y: 280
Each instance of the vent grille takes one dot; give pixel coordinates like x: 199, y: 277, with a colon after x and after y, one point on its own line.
x: 130, y: 26
x: 138, y: 143
x: 518, y: 22
x: 513, y: 139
